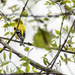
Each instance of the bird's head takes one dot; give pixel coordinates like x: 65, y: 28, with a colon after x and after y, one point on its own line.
x: 16, y: 20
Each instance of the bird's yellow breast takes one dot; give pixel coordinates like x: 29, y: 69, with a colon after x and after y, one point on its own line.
x: 21, y: 27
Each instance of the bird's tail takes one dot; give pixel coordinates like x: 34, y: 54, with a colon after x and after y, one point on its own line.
x: 22, y: 42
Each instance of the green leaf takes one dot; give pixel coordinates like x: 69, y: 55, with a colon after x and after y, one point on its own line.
x: 65, y: 60
x: 57, y: 32
x: 26, y: 48
x: 73, y: 55
x: 59, y: 62
x: 33, y: 67
x: 42, y: 39
x: 35, y: 71
x: 65, y: 55
x: 6, y: 25
x: 67, y: 28
x: 11, y: 24
x: 46, y: 19
x: 12, y: 17
x: 11, y: 33
x: 72, y: 31
x: 1, y: 17
x: 68, y: 8
x: 1, y: 49
x: 47, y: 2
x: 54, y: 44
x: 39, y: 20
x: 0, y: 71
x: 10, y: 54
x: 23, y: 59
x: 45, y: 25
x: 4, y: 63
x: 4, y: 55
x: 45, y: 60
x: 68, y: 59
x: 24, y: 13
x: 14, y: 6
x: 19, y: 70
x: 61, y: 57
x: 31, y: 21
x: 4, y: 71
x: 6, y: 33
x: 27, y: 69
x: 70, y: 49
x: 7, y: 68
x: 25, y: 63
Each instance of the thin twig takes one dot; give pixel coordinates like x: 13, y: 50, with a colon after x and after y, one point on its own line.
x: 17, y: 41
x: 61, y: 14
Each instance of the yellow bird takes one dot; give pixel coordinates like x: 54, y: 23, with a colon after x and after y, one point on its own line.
x: 20, y: 32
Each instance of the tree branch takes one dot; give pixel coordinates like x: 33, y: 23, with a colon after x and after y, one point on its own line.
x: 61, y: 14
x: 56, y: 56
x: 17, y: 41
x: 32, y: 62
x: 54, y: 59
x: 32, y: 45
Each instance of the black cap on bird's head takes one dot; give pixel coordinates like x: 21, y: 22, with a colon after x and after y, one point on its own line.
x: 16, y: 20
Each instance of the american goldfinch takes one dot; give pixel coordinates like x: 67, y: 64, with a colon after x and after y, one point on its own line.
x: 20, y: 32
